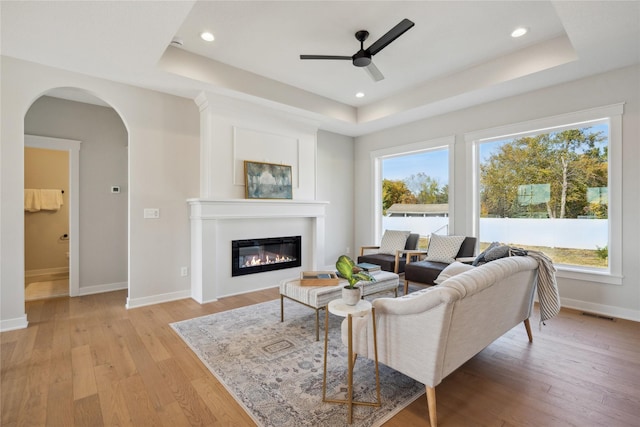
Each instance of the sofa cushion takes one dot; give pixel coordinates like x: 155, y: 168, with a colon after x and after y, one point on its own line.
x: 385, y: 261
x: 392, y: 241
x: 443, y: 248
x: 423, y: 271
x: 451, y: 270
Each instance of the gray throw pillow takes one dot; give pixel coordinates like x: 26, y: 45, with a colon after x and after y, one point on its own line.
x: 480, y: 258
x: 498, y: 252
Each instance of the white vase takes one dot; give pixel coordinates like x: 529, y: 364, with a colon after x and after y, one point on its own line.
x: 351, y: 296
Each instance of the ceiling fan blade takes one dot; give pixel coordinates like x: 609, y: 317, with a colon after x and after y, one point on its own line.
x: 324, y: 57
x: 373, y: 72
x: 391, y: 35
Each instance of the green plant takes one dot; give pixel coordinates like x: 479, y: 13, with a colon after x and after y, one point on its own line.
x: 351, y: 272
x: 603, y: 253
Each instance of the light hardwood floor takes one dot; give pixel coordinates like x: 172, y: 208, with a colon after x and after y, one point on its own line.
x: 87, y: 361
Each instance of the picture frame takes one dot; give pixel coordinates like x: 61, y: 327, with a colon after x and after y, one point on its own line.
x: 267, y: 180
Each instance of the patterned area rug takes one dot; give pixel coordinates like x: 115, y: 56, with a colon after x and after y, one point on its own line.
x: 274, y: 369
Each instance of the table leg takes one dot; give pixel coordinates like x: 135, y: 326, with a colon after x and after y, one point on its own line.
x: 282, y: 308
x: 350, y: 373
x: 375, y: 350
x: 326, y: 338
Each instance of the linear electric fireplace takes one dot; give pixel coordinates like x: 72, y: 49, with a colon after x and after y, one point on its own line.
x: 259, y: 255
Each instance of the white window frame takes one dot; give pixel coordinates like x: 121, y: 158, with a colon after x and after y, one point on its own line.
x: 378, y: 156
x: 612, y: 114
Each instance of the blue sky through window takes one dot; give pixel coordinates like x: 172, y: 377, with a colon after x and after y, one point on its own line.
x: 432, y: 163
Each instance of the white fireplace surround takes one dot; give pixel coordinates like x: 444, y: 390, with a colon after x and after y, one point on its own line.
x: 214, y: 223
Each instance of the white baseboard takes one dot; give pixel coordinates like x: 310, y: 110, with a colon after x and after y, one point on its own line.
x: 44, y: 271
x: 98, y: 289
x: 13, y: 324
x: 247, y: 291
x: 157, y: 299
x: 602, y: 309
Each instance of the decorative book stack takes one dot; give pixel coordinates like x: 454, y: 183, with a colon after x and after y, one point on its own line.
x: 368, y: 267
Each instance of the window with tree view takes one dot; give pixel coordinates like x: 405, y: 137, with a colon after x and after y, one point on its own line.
x: 549, y: 192
x: 415, y: 192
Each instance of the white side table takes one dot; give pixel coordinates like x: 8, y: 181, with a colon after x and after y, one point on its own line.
x: 339, y: 308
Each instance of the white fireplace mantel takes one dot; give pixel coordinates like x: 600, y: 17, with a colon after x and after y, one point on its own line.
x: 208, y: 216
x: 255, y: 208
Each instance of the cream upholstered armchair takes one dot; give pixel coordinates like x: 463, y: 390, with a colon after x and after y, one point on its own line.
x: 390, y: 255
x: 428, y: 334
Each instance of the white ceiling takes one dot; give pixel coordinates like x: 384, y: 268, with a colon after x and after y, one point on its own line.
x: 458, y: 54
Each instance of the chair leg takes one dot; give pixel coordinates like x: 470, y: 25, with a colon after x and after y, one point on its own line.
x: 281, y: 308
x: 527, y: 326
x: 431, y: 403
x: 406, y: 287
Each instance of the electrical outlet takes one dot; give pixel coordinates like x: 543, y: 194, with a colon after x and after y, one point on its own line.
x: 184, y: 271
x: 348, y: 250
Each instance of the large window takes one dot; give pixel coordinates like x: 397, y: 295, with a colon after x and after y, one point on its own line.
x: 550, y: 190
x: 413, y: 189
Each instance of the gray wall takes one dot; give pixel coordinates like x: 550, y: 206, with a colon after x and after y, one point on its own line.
x: 103, y: 163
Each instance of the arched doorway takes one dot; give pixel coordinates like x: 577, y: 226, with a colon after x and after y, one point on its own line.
x: 98, y: 182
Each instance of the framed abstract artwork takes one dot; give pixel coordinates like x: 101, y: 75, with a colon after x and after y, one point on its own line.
x: 267, y: 181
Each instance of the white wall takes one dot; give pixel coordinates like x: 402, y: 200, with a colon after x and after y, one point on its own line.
x: 233, y: 131
x: 617, y: 86
x: 163, y: 172
x: 335, y: 183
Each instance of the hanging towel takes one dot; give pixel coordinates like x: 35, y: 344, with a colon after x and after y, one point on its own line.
x: 31, y: 200
x: 51, y: 200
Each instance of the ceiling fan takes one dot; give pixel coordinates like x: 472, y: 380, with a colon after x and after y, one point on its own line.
x: 362, y: 58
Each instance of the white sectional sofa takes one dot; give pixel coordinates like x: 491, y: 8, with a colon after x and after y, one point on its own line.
x: 428, y: 334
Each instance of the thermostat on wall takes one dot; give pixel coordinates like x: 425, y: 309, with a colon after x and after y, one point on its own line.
x: 115, y: 188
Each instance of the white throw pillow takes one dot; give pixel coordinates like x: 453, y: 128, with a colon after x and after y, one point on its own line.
x: 392, y: 241
x: 451, y: 270
x: 443, y: 248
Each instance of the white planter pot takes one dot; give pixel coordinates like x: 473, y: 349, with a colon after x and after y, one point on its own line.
x: 351, y: 296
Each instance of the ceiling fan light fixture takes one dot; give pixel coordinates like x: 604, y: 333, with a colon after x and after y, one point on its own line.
x: 207, y: 36
x: 519, y: 32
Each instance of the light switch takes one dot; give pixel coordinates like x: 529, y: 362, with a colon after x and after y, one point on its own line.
x: 153, y: 213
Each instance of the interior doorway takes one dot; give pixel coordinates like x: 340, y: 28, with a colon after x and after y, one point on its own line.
x: 48, y: 236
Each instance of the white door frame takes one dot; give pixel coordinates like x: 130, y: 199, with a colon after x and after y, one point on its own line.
x: 73, y: 147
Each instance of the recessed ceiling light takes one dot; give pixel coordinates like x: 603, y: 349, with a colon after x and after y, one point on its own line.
x: 207, y: 36
x: 359, y: 95
x: 519, y: 32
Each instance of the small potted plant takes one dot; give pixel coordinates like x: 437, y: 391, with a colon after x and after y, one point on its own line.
x: 348, y: 270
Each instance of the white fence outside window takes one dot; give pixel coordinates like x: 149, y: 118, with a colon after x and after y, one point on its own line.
x: 556, y: 233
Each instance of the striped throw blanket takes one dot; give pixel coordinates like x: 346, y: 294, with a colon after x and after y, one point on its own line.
x: 548, y: 295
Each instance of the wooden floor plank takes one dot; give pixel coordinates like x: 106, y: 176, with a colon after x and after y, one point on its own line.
x: 86, y: 412
x: 84, y: 381
x: 90, y: 361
